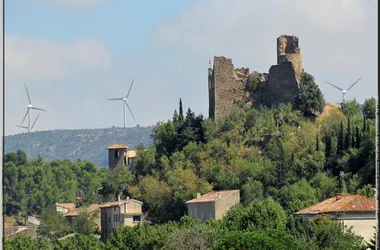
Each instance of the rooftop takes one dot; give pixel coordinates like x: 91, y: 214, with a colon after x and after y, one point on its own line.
x: 118, y: 203
x: 347, y: 203
x: 89, y: 209
x: 117, y: 146
x: 69, y: 206
x: 214, y: 196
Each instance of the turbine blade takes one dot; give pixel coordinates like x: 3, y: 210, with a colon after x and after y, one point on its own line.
x: 35, y: 120
x: 334, y: 86
x: 27, y: 111
x: 21, y: 126
x: 130, y: 110
x: 38, y: 109
x: 354, y: 84
x: 114, y: 99
x: 30, y: 102
x: 129, y: 91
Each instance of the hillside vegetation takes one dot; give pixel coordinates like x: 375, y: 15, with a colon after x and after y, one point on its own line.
x: 282, y: 159
x: 89, y: 144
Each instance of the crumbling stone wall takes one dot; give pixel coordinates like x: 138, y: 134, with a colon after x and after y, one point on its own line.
x: 226, y: 86
x: 288, y: 50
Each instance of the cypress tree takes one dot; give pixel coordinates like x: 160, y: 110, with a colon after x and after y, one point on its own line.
x: 364, y: 124
x: 353, y: 141
x: 340, y: 144
x: 175, y: 116
x: 357, y: 140
x: 347, y: 142
x: 317, y: 143
x: 180, y: 117
x: 328, y: 147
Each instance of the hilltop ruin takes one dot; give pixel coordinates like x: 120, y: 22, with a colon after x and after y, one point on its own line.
x: 227, y: 85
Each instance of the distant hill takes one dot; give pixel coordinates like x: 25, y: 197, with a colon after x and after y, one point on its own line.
x: 89, y: 144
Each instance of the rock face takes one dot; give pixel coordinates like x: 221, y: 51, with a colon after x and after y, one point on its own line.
x: 227, y: 85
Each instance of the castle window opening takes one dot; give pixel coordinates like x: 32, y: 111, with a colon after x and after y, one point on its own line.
x: 117, y: 154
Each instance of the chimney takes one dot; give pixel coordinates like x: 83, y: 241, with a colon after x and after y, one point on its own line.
x: 219, y: 195
x: 198, y: 195
x: 338, y: 196
x: 127, y: 197
x: 118, y: 198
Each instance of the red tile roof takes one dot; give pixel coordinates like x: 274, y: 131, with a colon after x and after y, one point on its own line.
x: 347, y: 203
x: 131, y: 153
x: 117, y: 146
x: 213, y: 196
x: 89, y: 209
x: 69, y: 206
x: 118, y: 203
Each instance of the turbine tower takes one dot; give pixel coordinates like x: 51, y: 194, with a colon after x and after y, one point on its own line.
x: 28, y: 111
x: 344, y: 92
x: 125, y: 103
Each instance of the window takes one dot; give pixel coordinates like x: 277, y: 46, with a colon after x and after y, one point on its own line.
x: 195, y: 212
x: 136, y: 218
x: 202, y: 215
x: 109, y: 219
x: 189, y: 212
x: 210, y: 216
x: 117, y: 154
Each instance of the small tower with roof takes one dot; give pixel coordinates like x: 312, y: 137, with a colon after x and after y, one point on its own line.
x: 117, y: 156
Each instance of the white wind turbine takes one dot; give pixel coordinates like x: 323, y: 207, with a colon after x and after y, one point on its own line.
x: 344, y: 92
x: 28, y: 111
x: 125, y: 103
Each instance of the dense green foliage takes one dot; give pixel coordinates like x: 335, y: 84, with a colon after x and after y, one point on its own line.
x: 281, y: 160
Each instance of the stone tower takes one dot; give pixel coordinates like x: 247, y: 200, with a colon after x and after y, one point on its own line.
x: 225, y: 85
x: 288, y: 50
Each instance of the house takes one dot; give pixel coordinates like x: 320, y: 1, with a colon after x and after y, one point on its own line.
x: 212, y: 205
x: 92, y: 209
x: 120, y: 154
x: 63, y: 207
x: 352, y: 210
x: 120, y: 213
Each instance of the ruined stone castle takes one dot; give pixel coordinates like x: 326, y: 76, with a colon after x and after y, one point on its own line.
x: 227, y: 85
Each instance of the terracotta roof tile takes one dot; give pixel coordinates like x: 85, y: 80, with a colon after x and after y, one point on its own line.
x: 117, y: 146
x: 213, y: 196
x: 89, y: 209
x: 348, y: 203
x: 69, y: 206
x: 118, y: 203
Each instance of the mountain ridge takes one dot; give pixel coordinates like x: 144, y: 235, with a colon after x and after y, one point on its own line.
x: 73, y: 144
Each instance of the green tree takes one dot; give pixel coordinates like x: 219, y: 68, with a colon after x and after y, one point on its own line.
x: 84, y: 224
x: 53, y: 225
x: 78, y: 241
x: 369, y: 108
x: 310, y: 98
x: 180, y: 117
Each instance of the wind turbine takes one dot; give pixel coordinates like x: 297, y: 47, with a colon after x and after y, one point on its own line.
x: 125, y: 103
x: 344, y: 92
x: 28, y: 110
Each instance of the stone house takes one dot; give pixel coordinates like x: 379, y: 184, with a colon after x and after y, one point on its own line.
x: 213, y: 205
x: 120, y: 154
x: 63, y: 207
x: 352, y: 210
x: 93, y: 210
x: 120, y: 213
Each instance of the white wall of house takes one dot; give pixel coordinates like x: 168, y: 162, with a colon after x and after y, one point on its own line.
x: 364, y: 228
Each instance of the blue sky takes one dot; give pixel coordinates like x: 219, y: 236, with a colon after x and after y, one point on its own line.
x: 75, y: 54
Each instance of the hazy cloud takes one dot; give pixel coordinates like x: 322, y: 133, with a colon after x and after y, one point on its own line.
x: 29, y: 58
x: 338, y: 38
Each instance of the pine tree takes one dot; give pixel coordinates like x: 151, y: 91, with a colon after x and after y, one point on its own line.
x: 180, y: 117
x: 357, y: 138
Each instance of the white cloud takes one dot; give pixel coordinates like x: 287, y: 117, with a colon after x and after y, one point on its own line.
x: 73, y: 4
x: 29, y: 58
x: 338, y: 38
